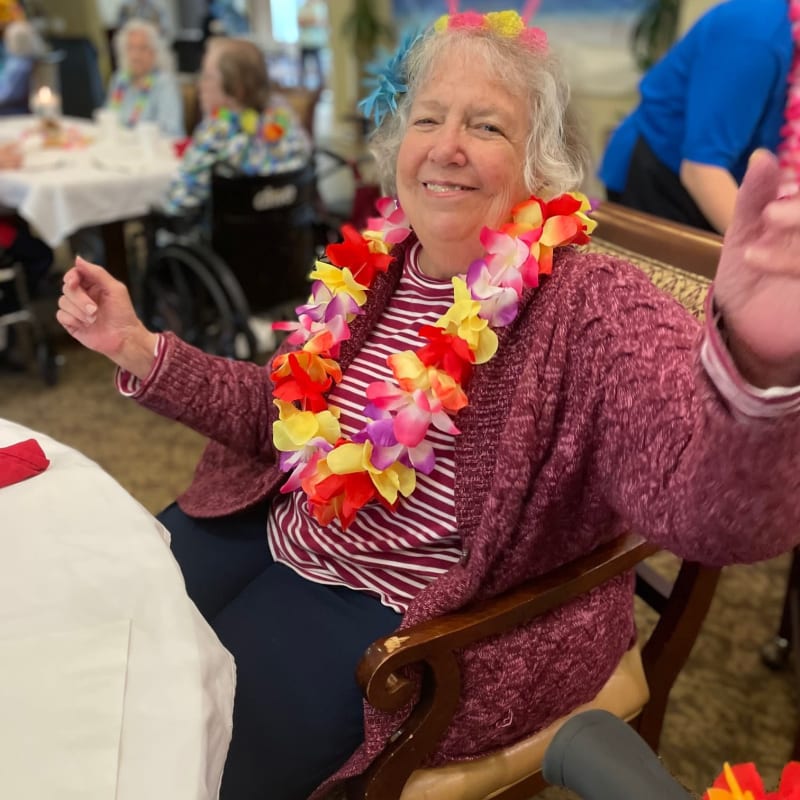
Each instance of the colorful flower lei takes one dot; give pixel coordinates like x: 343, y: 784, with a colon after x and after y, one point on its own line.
x: 742, y: 782
x: 270, y: 126
x: 380, y: 462
x: 143, y: 94
x: 789, y: 148
x: 388, y: 78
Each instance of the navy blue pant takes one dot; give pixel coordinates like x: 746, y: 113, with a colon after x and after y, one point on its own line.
x: 298, y: 711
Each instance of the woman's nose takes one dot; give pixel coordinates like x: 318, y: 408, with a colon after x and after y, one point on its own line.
x: 447, y: 146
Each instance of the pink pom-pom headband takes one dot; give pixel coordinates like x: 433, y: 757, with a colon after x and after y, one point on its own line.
x: 789, y: 148
x: 531, y: 7
x: 388, y: 81
x: 505, y: 23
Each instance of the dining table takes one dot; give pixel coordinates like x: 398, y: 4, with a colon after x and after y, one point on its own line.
x: 87, y: 175
x: 112, y: 685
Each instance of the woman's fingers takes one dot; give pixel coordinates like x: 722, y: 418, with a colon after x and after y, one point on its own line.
x: 85, y: 313
x: 69, y: 323
x: 76, y: 291
x: 775, y: 250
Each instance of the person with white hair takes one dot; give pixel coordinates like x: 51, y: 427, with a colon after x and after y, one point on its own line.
x: 149, y: 10
x: 144, y: 88
x: 23, y: 47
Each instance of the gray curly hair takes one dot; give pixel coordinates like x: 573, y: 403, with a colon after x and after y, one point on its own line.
x: 164, y: 60
x: 556, y: 154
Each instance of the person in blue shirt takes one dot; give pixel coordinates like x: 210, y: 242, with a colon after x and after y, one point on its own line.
x: 716, y: 96
x: 144, y: 88
x: 22, y: 47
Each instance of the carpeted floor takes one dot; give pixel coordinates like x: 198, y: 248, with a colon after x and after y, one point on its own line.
x: 726, y: 704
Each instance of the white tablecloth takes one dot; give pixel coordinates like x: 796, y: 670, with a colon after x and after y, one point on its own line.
x: 80, y: 192
x: 112, y: 686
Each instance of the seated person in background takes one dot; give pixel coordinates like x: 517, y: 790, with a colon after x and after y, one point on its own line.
x: 461, y: 411
x: 17, y: 244
x: 144, y: 88
x: 312, y: 22
x: 23, y: 46
x: 10, y: 11
x: 704, y: 108
x: 243, y: 125
x: 16, y: 239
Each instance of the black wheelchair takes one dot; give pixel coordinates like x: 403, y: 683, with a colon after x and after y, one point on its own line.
x: 219, y: 280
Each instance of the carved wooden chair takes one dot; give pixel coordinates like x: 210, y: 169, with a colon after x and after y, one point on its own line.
x: 680, y: 260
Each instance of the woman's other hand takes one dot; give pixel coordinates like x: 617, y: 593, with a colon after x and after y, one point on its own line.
x: 96, y: 309
x: 757, y: 287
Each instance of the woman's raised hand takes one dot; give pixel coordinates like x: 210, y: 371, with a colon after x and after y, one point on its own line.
x: 757, y: 287
x: 96, y: 309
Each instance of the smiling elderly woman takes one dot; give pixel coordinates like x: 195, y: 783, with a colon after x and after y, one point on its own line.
x: 467, y: 401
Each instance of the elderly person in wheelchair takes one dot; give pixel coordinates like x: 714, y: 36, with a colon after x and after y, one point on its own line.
x: 467, y: 400
x: 244, y: 128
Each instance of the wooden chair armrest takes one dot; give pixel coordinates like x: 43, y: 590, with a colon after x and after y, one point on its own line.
x: 692, y: 249
x: 432, y: 646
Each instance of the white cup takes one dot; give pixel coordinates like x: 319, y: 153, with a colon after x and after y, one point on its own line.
x: 149, y: 136
x: 107, y: 123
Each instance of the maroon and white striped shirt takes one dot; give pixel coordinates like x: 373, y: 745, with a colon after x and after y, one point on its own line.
x: 392, y: 555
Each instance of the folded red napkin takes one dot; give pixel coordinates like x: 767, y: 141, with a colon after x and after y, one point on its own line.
x: 20, y: 461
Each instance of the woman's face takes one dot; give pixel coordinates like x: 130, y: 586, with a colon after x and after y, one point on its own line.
x: 141, y: 56
x: 460, y: 165
x: 212, y: 95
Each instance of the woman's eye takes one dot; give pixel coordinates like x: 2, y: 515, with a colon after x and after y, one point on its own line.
x: 489, y: 127
x: 424, y: 121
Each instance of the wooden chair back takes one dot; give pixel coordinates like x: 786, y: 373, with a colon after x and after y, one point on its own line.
x: 682, y: 261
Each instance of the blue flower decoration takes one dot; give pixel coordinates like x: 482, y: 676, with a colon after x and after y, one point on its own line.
x: 387, y: 80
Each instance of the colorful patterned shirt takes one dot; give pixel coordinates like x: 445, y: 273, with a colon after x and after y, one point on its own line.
x: 251, y: 144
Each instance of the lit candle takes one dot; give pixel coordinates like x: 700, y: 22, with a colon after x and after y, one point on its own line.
x: 46, y: 103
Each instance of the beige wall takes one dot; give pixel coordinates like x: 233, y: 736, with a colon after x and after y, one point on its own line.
x: 690, y: 11
x: 344, y: 68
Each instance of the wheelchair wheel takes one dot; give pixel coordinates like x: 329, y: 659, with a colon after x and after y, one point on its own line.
x: 245, y: 345
x: 184, y: 290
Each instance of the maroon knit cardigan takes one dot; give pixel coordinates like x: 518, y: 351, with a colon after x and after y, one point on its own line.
x: 595, y: 413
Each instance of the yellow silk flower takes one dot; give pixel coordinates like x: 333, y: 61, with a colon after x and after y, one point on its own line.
x: 351, y: 457
x: 295, y: 428
x: 463, y: 321
x: 340, y: 281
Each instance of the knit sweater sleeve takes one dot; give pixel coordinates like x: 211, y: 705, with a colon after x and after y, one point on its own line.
x: 227, y: 401
x: 670, y: 456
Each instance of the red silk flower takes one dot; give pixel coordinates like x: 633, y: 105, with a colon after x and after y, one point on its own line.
x: 742, y: 782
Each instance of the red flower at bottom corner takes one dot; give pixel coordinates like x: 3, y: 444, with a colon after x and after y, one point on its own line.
x: 743, y: 782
